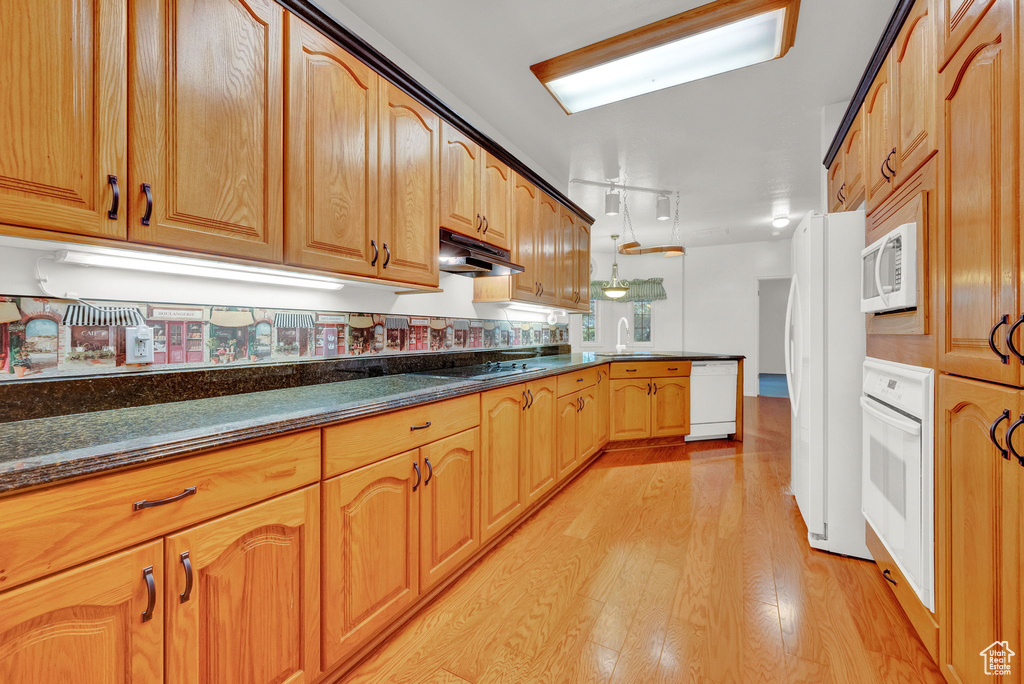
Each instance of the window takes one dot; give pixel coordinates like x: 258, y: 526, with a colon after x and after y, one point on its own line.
x: 641, y: 321
x: 590, y: 323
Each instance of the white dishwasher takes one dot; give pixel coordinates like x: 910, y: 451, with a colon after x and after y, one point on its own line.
x: 712, y: 399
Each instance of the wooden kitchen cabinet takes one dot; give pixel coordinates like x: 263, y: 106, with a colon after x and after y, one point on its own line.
x: 604, y: 386
x: 914, y: 99
x: 958, y: 19
x: 836, y: 185
x: 100, y: 622
x: 630, y: 407
x: 546, y: 248
x: 587, y: 442
x: 527, y: 252
x: 568, y: 443
x: 407, y: 208
x: 566, y: 259
x: 503, y: 495
x: 370, y: 552
x: 979, y: 236
x: 64, y: 114
x: 330, y: 157
x: 206, y: 120
x: 449, y: 501
x: 242, y: 595
x: 539, y: 440
x: 496, y: 192
x: 978, y: 518
x: 460, y: 182
x: 854, y: 185
x: 670, y: 407
x: 581, y: 263
x: 879, y: 147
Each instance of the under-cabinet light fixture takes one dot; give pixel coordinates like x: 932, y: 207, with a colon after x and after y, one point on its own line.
x: 533, y: 308
x: 712, y: 39
x: 200, y: 268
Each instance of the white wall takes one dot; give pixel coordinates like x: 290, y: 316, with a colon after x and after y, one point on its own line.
x: 720, y: 310
x: 667, y: 315
x: 771, y: 323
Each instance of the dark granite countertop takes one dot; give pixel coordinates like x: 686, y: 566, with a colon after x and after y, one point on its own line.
x: 46, y: 450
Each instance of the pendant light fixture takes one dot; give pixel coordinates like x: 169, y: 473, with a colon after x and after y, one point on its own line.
x: 673, y: 249
x: 611, y: 203
x: 615, y: 289
x: 663, y: 210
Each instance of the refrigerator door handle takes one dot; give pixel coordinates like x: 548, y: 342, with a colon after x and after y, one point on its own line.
x: 790, y: 376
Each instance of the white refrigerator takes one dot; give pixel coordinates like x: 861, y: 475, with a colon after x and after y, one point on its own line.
x: 825, y: 350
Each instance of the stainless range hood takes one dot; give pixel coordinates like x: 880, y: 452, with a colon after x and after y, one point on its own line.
x: 473, y: 258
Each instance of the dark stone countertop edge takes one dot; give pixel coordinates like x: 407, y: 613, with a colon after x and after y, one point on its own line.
x: 48, y: 474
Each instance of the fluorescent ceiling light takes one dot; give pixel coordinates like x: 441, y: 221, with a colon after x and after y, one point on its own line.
x: 713, y: 39
x: 200, y: 268
x: 780, y: 221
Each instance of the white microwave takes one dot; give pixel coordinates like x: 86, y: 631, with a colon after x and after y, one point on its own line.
x: 888, y: 275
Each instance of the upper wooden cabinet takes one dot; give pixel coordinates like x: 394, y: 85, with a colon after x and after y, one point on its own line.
x: 582, y: 264
x: 100, y: 622
x: 206, y: 126
x: 231, y: 578
x: 879, y: 146
x: 854, y: 188
x: 958, y: 19
x: 408, y: 189
x: 496, y: 189
x: 914, y: 92
x: 64, y: 116
x: 461, y: 159
x: 330, y: 156
x: 566, y: 260
x: 545, y: 246
x: 979, y: 234
x: 836, y: 185
x: 525, y: 205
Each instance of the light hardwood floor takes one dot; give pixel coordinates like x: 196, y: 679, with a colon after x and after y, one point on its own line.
x: 675, y: 563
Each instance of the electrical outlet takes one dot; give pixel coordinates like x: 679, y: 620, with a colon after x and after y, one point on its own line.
x: 138, y: 344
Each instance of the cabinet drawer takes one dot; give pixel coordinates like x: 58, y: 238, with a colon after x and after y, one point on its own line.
x: 922, y: 619
x: 574, y: 382
x: 52, y: 529
x: 650, y: 369
x: 361, y: 442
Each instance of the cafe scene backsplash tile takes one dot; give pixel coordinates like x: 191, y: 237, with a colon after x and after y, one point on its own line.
x: 43, y: 337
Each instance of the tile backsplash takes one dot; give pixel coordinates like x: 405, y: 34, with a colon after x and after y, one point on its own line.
x: 42, y: 337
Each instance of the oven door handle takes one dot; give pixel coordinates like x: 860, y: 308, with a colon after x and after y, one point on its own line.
x: 903, y: 424
x: 878, y: 271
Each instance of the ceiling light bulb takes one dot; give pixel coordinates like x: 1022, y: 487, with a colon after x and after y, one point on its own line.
x: 611, y: 203
x: 664, y: 213
x: 780, y: 221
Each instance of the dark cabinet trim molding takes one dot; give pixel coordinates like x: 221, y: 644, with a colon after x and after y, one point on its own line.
x: 885, y: 43
x: 376, y: 60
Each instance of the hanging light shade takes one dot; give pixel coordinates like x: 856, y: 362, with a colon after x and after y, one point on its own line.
x: 664, y: 212
x: 611, y: 203
x: 615, y: 289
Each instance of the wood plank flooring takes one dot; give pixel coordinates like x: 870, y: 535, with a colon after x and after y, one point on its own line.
x: 666, y: 564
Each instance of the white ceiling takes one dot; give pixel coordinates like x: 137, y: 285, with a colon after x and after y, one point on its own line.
x: 734, y: 145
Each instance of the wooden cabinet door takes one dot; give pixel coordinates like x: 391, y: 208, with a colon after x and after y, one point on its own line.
x: 853, y: 165
x: 878, y: 125
x: 836, y: 180
x: 566, y: 259
x: 582, y: 265
x: 449, y: 505
x: 525, y: 204
x: 206, y: 122
x: 978, y: 522
x: 65, y: 106
x: 244, y: 604
x: 914, y: 93
x: 540, y: 432
x: 586, y: 426
x: 546, y: 248
x: 630, y: 407
x: 979, y: 239
x: 460, y: 182
x: 670, y: 407
x: 568, y: 451
x: 370, y: 556
x: 603, y: 407
x: 503, y: 474
x: 407, y: 184
x: 86, y: 624
x: 958, y: 19
x: 330, y: 155
x: 497, y: 202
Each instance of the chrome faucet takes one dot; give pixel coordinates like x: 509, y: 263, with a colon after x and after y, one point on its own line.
x: 619, y: 347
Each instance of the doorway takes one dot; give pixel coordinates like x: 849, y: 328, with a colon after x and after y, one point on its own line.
x: 772, y: 300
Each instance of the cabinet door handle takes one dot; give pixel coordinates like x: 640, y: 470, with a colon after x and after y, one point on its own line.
x: 530, y: 405
x: 1009, y: 341
x: 655, y: 388
x: 526, y: 402
x: 145, y: 503
x: 1009, y: 438
x: 888, y: 577
x: 648, y: 389
x: 479, y: 223
x: 430, y: 472
x: 376, y: 253
x: 414, y: 428
x: 148, y: 189
x: 1005, y: 415
x: 387, y: 255
x: 884, y: 174
x: 419, y: 475
x: 112, y: 214
x: 536, y: 288
x: 147, y: 574
x: 187, y: 564
x: 892, y: 171
x: 486, y: 224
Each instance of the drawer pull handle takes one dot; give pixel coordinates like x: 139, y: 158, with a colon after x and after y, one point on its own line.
x: 148, y: 189
x: 673, y: 369
x: 112, y: 214
x: 419, y: 475
x: 147, y: 574
x: 187, y: 594
x: 430, y: 472
x: 579, y: 379
x: 631, y: 370
x: 145, y: 503
x: 414, y: 428
x: 888, y: 577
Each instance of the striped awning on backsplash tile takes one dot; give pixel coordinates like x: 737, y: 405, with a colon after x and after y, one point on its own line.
x: 460, y: 324
x: 84, y: 314
x: 293, y: 320
x: 396, y: 323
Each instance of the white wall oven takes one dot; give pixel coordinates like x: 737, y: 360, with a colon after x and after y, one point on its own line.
x: 889, y: 272
x: 898, y: 489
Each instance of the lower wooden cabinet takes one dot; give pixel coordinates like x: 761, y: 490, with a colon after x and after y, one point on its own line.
x: 100, y: 622
x: 630, y: 407
x: 586, y: 428
x: 568, y: 452
x: 604, y: 393
x: 670, y: 407
x: 242, y: 595
x: 369, y: 558
x: 503, y: 495
x: 539, y: 430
